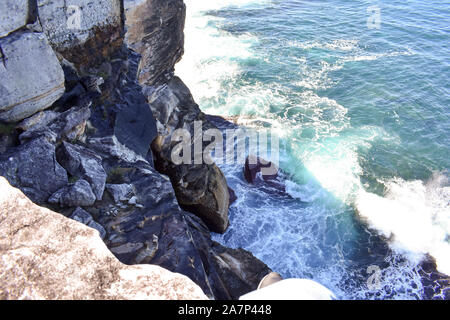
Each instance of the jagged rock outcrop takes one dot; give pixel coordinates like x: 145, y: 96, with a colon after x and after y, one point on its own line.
x: 47, y: 256
x: 32, y: 78
x: 155, y: 30
x: 200, y: 188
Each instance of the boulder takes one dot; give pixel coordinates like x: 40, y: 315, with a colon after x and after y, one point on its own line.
x: 33, y: 168
x: 155, y: 30
x: 74, y: 195
x: 203, y: 190
x: 85, y: 32
x: 32, y: 78
x: 47, y: 256
x: 15, y: 14
x: 85, y: 164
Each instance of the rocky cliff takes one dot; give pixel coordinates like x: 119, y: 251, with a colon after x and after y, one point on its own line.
x: 88, y: 105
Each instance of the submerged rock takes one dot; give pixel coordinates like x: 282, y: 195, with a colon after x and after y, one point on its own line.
x: 32, y: 78
x: 233, y: 196
x: 436, y: 284
x: 35, y: 243
x: 264, y: 174
x: 254, y: 169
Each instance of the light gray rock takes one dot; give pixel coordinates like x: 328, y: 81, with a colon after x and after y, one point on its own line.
x: 85, y: 218
x: 67, y: 23
x: 82, y: 162
x: 78, y: 194
x: 85, y: 32
x: 31, y: 76
x: 46, y: 256
x: 15, y: 14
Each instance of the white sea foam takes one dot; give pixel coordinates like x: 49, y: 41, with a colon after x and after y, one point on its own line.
x: 339, y: 45
x: 209, y: 52
x: 415, y: 215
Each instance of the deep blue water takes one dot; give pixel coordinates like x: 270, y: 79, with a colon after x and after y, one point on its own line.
x: 363, y: 115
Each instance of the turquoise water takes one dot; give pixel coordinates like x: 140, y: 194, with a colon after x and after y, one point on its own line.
x: 363, y: 116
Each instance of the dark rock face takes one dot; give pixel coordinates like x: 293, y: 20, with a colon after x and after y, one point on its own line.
x: 77, y: 194
x: 200, y: 188
x: 33, y: 168
x: 83, y: 163
x: 136, y: 127
x: 233, y: 196
x: 155, y: 30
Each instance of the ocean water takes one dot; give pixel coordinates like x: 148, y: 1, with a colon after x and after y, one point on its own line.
x: 363, y: 117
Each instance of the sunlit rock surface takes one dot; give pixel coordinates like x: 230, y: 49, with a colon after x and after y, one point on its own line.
x: 44, y: 255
